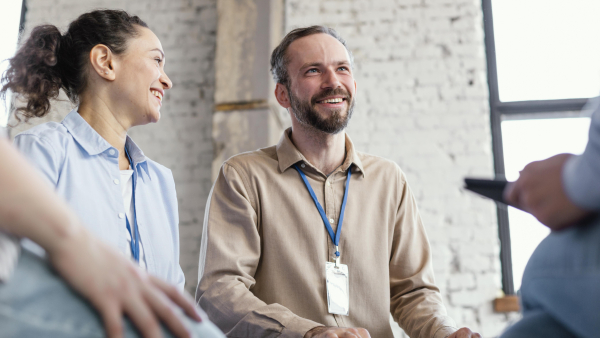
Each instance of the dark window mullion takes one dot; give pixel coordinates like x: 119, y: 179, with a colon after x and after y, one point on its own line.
x: 495, y: 121
x: 22, y: 21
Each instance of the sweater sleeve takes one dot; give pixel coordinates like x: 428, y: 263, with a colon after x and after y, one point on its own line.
x: 581, y: 174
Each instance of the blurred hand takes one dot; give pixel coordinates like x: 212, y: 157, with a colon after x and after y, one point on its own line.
x: 464, y: 333
x: 115, y: 286
x: 336, y: 332
x: 30, y: 208
x: 539, y: 191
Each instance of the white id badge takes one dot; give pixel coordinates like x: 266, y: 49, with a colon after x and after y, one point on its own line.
x: 338, y: 295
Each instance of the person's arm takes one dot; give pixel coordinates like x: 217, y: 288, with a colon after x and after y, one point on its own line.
x: 581, y: 174
x: 563, y: 189
x: 113, y: 285
x: 416, y: 302
x: 229, y: 256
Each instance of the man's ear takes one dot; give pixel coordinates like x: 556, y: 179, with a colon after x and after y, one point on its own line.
x: 282, y: 95
x: 102, y: 59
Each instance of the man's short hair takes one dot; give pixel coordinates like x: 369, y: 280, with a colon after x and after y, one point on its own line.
x: 279, y: 59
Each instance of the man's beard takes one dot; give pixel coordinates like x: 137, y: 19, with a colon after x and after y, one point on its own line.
x: 306, y: 113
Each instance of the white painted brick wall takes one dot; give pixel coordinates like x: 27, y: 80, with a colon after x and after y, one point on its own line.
x: 182, y: 139
x: 423, y: 102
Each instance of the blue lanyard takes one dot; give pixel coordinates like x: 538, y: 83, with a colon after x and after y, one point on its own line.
x: 135, y: 236
x: 335, y: 238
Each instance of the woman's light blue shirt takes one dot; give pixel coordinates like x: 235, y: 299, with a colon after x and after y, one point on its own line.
x: 84, y: 168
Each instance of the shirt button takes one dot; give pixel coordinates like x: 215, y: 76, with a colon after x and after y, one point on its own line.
x: 115, y: 181
x: 121, y: 215
x: 111, y: 152
x: 302, y: 165
x: 328, y: 183
x: 331, y: 220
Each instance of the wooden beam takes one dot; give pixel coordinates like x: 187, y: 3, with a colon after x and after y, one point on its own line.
x: 507, y: 304
x: 241, y: 105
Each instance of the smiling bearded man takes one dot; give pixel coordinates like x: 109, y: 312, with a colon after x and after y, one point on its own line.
x: 306, y: 114
x: 274, y: 260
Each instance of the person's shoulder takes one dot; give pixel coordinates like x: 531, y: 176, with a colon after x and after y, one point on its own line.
x: 50, y: 133
x: 160, y: 176
x: 49, y: 130
x: 252, y: 161
x: 377, y: 167
x: 159, y: 169
x: 379, y: 164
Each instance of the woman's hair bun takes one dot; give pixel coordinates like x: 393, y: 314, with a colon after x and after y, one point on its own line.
x: 33, y: 72
x: 47, y: 38
x: 49, y: 61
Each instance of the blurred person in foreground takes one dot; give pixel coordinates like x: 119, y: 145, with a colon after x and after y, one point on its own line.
x: 275, y: 260
x: 85, y: 286
x: 560, y: 292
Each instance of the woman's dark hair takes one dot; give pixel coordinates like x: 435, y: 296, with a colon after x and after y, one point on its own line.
x: 49, y: 61
x: 280, y: 60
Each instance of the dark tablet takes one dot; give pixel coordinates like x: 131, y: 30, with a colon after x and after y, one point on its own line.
x: 493, y: 189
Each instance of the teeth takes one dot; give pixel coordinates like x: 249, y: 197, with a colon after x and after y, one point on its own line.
x: 338, y: 100
x: 157, y: 94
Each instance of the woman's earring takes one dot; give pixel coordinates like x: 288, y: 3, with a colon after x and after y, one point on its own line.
x: 106, y: 72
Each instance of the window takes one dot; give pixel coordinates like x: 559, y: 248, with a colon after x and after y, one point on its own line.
x: 528, y: 140
x: 547, y: 49
x: 543, y: 65
x: 10, y: 23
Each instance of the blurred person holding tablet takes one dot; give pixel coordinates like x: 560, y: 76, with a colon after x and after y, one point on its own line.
x: 559, y: 292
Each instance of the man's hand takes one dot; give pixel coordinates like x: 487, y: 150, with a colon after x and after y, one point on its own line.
x: 464, y: 333
x: 336, y: 332
x: 114, y: 286
x: 539, y: 191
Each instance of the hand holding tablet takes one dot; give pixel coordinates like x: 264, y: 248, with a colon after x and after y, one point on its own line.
x: 493, y: 189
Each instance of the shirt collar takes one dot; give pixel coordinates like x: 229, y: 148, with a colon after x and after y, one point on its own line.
x: 84, y: 134
x: 94, y: 144
x: 137, y: 155
x: 288, y: 154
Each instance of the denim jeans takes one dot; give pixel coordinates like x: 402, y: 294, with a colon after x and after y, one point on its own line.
x: 560, y: 293
x: 36, y: 302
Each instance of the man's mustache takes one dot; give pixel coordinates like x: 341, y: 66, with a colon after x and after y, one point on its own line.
x: 331, y: 92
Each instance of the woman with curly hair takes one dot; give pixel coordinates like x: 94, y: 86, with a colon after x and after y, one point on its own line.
x: 112, y: 66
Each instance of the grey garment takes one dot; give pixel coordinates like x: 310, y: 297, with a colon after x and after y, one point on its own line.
x: 537, y: 324
x: 9, y: 255
x: 559, y: 293
x: 9, y: 245
x: 581, y: 174
x: 36, y: 302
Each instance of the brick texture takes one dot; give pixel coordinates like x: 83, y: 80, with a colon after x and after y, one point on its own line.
x: 182, y: 139
x: 422, y: 101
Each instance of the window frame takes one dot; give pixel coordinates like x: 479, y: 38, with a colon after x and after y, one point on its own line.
x: 498, y: 109
x: 23, y: 16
